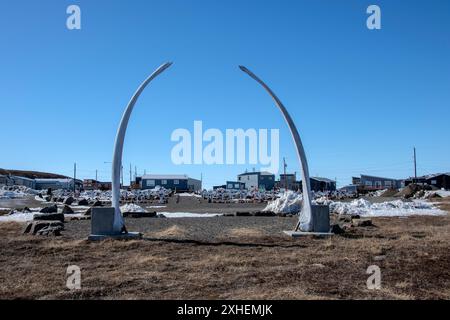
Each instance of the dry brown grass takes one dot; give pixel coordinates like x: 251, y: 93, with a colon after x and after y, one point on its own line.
x: 174, y: 231
x: 246, y: 232
x: 415, y: 264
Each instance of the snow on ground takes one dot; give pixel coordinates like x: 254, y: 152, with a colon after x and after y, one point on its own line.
x: 288, y: 202
x: 291, y: 202
x: 189, y: 215
x: 18, y: 217
x: 156, y: 207
x: 131, y: 207
x: 396, y: 208
x: 185, y: 194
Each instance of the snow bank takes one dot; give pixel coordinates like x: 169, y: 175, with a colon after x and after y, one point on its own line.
x: 131, y: 207
x: 189, y: 215
x: 288, y: 202
x: 395, y: 208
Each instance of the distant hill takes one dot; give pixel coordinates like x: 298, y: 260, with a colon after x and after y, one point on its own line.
x: 32, y: 174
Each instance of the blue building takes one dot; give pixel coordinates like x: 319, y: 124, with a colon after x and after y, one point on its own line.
x: 178, y: 182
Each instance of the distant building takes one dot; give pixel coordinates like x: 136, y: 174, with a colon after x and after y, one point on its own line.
x: 56, y: 184
x: 438, y: 180
x: 176, y: 182
x: 92, y: 184
x: 322, y: 184
x: 371, y: 183
x: 19, y: 181
x: 234, y: 185
x: 351, y: 188
x: 260, y: 180
x: 288, y: 181
x: 222, y: 186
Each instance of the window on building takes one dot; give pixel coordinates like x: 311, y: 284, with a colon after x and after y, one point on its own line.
x: 388, y: 184
x: 163, y: 182
x: 368, y: 183
x: 433, y: 182
x: 377, y: 183
x: 230, y: 186
x: 237, y: 186
x: 150, y: 183
x: 176, y: 181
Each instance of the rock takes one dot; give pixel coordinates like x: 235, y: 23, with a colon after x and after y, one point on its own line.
x: 40, y: 196
x: 48, y: 198
x: 264, y: 214
x: 140, y: 214
x: 50, y: 231
x: 26, y: 209
x: 97, y: 204
x: 69, y: 201
x: 336, y: 229
x: 243, y: 214
x: 160, y: 215
x: 67, y: 210
x: 83, y: 202
x: 88, y: 212
x: 34, y: 227
x: 49, y: 217
x: 50, y: 209
x: 362, y: 222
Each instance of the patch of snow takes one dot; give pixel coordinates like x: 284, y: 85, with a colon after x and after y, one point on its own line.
x: 156, y: 207
x: 131, y: 207
x: 18, y: 217
x: 185, y: 194
x: 189, y: 215
x: 395, y: 208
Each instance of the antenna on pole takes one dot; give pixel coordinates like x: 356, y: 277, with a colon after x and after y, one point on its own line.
x: 74, y: 175
x: 415, y: 166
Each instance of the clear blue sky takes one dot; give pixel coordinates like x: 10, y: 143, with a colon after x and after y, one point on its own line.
x: 361, y: 99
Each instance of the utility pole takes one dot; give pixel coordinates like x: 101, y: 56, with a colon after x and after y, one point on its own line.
x: 131, y: 176
x: 135, y: 173
x: 285, y: 178
x: 415, y: 166
x: 121, y: 173
x: 96, y: 175
x: 74, y: 175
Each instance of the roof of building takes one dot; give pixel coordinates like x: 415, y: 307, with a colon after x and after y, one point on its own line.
x: 23, y: 178
x: 53, y: 180
x: 165, y: 176
x: 375, y: 177
x: 261, y: 173
x: 322, y: 179
x: 429, y: 176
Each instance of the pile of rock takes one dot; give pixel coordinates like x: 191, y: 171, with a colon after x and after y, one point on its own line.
x: 47, y: 223
x: 346, y: 223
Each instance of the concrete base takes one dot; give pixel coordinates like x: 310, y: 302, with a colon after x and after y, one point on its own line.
x: 321, y: 221
x: 122, y: 236
x: 102, y: 220
x: 298, y: 234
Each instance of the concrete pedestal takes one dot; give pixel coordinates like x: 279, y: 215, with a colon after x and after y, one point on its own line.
x: 321, y: 223
x: 102, y: 221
